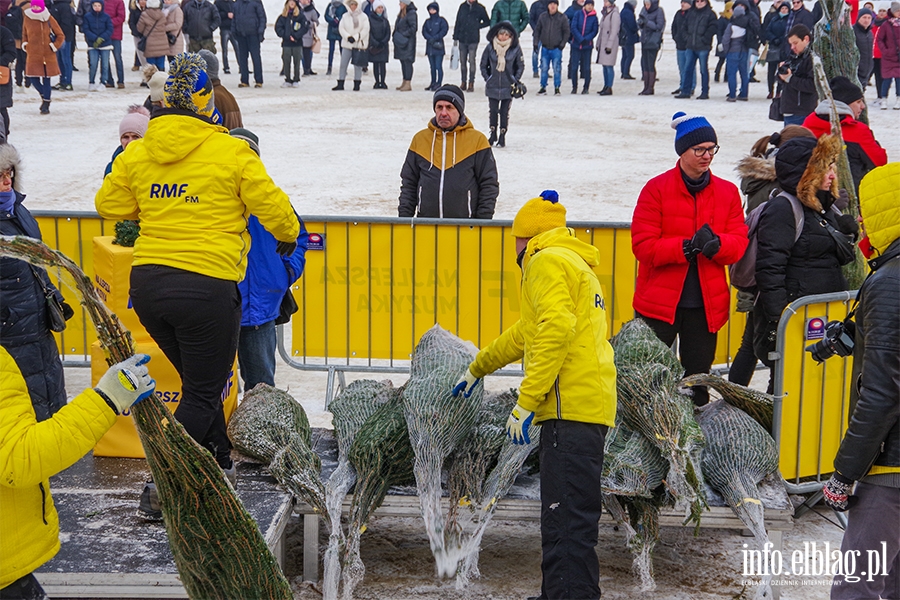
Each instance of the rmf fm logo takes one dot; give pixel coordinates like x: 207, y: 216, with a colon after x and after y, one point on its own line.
x: 176, y: 190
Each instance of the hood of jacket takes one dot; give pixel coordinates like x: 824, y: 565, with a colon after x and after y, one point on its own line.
x: 493, y: 31
x: 173, y: 134
x: 562, y: 237
x: 801, y: 164
x: 437, y: 10
x: 824, y: 108
x: 10, y: 159
x: 436, y: 131
x: 879, y: 201
x: 654, y: 5
x: 757, y: 167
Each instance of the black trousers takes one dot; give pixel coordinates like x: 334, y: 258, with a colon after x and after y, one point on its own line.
x: 307, y: 60
x: 406, y: 68
x: 648, y: 60
x: 248, y: 45
x: 23, y: 588
x: 571, y: 455
x: 195, y: 321
x: 696, y: 345
x: 581, y: 60
x: 499, y: 108
x: 379, y: 70
x: 744, y: 363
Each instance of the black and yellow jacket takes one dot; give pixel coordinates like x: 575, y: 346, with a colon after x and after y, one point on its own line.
x: 449, y: 174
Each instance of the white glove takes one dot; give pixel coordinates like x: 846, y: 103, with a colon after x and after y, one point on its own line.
x: 126, y: 383
x: 517, y: 425
x: 466, y: 384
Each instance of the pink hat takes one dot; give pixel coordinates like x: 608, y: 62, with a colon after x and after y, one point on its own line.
x: 136, y: 121
x: 37, y: 6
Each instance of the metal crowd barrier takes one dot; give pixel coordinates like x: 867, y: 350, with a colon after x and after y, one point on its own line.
x: 812, y: 400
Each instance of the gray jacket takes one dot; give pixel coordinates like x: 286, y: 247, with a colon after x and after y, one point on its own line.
x: 652, y: 23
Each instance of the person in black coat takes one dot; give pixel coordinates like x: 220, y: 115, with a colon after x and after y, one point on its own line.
x: 721, y: 26
x: 789, y: 267
x: 628, y: 37
x: 201, y: 19
x: 290, y: 26
x: 24, y: 325
x: 799, y: 16
x: 248, y: 26
x: 379, y: 43
x: 7, y: 55
x: 502, y: 64
x: 61, y: 10
x: 226, y: 14
x: 699, y: 31
x: 865, y: 43
x: 471, y: 18
x: 538, y: 8
x: 774, y: 34
x: 404, y: 37
x: 679, y: 36
x: 799, y: 96
x: 13, y: 22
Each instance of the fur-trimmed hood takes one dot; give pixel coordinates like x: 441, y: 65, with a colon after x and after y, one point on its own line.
x: 9, y: 158
x: 802, y: 163
x: 757, y: 167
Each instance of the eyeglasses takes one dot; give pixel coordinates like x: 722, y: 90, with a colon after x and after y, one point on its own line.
x: 701, y: 150
x: 795, y: 2
x: 8, y: 174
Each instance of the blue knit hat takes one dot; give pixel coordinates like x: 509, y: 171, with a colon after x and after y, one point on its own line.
x: 691, y: 130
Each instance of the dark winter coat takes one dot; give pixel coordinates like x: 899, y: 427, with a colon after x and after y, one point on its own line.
x: 224, y: 7
x: 679, y: 29
x: 498, y: 84
x: 434, y: 30
x: 24, y: 331
x: 134, y: 15
x: 799, y: 96
x: 628, y: 30
x: 757, y: 179
x: 553, y: 30
x: 379, y: 38
x: 471, y: 18
x: 775, y: 34
x: 404, y: 36
x: 888, y: 41
x: 732, y: 44
x: 797, y: 17
x: 152, y: 25
x: 13, y: 20
x: 750, y: 22
x: 249, y: 18
x: 513, y: 11
x: 721, y: 28
x: 290, y: 26
x: 652, y: 23
x: 333, y: 15
x: 201, y: 18
x: 62, y: 12
x: 865, y: 43
x: 7, y: 55
x: 584, y: 28
x: 97, y: 26
x: 538, y: 7
x: 449, y: 174
x: 700, y: 28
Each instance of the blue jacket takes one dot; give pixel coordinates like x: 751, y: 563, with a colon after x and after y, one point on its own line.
x: 268, y: 274
x: 585, y: 27
x: 97, y: 25
x: 434, y: 29
x: 628, y: 31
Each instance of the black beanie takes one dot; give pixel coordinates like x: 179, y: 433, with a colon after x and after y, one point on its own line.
x: 844, y: 90
x: 452, y: 94
x: 791, y: 161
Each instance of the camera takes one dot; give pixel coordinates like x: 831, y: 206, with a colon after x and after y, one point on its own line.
x: 783, y: 68
x: 838, y: 340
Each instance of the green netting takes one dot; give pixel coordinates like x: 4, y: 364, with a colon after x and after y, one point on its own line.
x: 481, y: 470
x: 350, y: 410
x: 217, y: 546
x: 270, y: 425
x: 648, y: 375
x: 760, y: 406
x: 437, y: 424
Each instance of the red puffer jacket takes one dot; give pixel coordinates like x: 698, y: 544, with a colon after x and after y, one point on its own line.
x: 666, y: 214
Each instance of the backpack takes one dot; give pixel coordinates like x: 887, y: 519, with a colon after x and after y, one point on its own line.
x: 743, y: 272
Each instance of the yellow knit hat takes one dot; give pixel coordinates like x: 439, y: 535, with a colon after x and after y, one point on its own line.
x: 539, y: 215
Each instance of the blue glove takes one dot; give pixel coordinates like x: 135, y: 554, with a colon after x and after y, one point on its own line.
x: 126, y: 383
x: 517, y: 425
x: 466, y: 384
x: 837, y: 493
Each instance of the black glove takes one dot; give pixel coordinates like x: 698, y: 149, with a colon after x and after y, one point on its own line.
x: 847, y: 225
x: 286, y: 248
x: 351, y: 39
x: 837, y: 493
x: 690, y: 253
x: 67, y: 311
x: 706, y: 241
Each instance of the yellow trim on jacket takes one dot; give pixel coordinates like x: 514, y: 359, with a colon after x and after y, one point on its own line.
x: 193, y: 186
x: 561, y: 334
x: 30, y: 453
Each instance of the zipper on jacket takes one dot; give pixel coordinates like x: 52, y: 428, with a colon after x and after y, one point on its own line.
x: 558, y: 398
x: 419, y: 206
x: 469, y: 203
x: 43, y: 503
x: 443, y: 165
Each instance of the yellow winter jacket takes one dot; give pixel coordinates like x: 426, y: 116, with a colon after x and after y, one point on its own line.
x: 878, y: 205
x: 193, y: 186
x: 561, y: 334
x: 31, y: 452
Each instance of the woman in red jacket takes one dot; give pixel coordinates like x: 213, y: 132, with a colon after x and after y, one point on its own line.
x: 688, y: 225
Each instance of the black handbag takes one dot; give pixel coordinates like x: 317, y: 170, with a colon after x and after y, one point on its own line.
x: 171, y: 37
x: 360, y: 58
x: 845, y: 245
x: 775, y: 109
x: 56, y: 314
x: 518, y: 89
x: 288, y: 307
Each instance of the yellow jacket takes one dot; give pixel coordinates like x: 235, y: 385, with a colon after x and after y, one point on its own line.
x: 192, y: 186
x: 561, y: 334
x: 31, y: 452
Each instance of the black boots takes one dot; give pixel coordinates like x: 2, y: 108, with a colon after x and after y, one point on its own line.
x: 339, y: 86
x: 606, y: 91
x: 649, y: 78
x: 587, y: 88
x: 45, y: 107
x: 501, y: 141
x: 356, y: 84
x: 493, y: 139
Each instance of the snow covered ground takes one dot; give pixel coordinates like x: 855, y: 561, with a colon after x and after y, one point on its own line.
x: 340, y: 153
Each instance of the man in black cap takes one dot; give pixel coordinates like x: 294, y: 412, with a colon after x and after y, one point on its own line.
x: 449, y: 170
